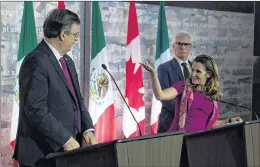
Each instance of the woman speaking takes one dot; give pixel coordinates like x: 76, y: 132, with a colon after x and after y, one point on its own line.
x: 196, y: 103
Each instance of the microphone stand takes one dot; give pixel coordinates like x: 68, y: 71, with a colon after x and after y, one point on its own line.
x: 105, y: 68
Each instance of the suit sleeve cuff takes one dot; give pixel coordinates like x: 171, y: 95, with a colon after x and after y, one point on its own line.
x: 89, y: 130
x: 67, y: 142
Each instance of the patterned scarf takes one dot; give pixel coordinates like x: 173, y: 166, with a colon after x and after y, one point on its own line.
x: 182, y: 106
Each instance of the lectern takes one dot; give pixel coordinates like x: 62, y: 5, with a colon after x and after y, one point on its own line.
x: 219, y: 147
x: 153, y: 150
x: 252, y: 134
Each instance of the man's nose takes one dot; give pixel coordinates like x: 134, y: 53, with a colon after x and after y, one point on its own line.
x: 182, y: 46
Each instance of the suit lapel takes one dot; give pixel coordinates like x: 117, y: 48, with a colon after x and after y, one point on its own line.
x: 56, y: 65
x: 177, y: 68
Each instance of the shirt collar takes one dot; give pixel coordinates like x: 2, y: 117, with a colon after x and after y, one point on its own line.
x: 181, y: 61
x: 55, y: 52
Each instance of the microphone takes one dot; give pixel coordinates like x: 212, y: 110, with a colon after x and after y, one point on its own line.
x: 240, y: 107
x: 105, y: 68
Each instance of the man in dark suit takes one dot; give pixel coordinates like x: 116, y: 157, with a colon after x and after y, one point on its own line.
x: 172, y: 71
x: 52, y: 115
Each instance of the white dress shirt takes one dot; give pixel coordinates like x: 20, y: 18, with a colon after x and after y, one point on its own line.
x: 180, y: 62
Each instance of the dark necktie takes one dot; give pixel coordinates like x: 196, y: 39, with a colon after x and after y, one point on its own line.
x: 69, y: 81
x: 186, y: 71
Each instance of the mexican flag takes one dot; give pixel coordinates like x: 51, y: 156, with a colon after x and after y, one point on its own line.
x: 101, y: 102
x: 162, y: 55
x: 134, y: 91
x: 28, y: 42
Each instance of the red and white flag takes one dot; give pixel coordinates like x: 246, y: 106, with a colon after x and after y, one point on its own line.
x: 101, y: 101
x: 28, y: 41
x: 162, y: 55
x: 134, y: 91
x: 61, y: 5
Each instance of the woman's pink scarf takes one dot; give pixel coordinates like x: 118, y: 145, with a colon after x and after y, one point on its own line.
x: 182, y: 106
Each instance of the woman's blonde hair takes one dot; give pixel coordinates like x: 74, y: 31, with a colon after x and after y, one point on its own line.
x: 212, y: 87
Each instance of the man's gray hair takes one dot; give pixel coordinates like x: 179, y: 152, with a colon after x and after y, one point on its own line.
x: 181, y: 34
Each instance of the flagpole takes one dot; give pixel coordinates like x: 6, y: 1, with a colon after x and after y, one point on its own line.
x: 85, y: 50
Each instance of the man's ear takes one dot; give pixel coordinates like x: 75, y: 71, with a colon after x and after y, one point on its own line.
x: 62, y: 35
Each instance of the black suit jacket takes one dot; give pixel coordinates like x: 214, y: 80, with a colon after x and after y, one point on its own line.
x: 48, y: 112
x: 169, y: 73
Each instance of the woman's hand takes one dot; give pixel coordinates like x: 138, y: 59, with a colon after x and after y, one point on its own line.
x: 166, y: 94
x: 226, y: 121
x: 236, y: 119
x: 149, y: 68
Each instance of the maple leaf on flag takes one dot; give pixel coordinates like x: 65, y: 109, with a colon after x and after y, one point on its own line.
x: 133, y: 84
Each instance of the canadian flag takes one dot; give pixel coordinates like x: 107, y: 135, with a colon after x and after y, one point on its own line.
x: 61, y: 5
x: 134, y: 91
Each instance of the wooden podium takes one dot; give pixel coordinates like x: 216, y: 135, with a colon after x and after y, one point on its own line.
x: 219, y: 147
x: 232, y: 145
x: 155, y: 150
x: 252, y: 135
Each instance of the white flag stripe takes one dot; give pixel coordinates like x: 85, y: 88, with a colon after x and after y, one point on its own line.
x: 15, y: 113
x: 97, y: 110
x: 133, y: 49
x: 165, y: 56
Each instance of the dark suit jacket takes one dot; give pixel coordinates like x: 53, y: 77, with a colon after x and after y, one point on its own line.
x: 48, y: 112
x: 168, y: 73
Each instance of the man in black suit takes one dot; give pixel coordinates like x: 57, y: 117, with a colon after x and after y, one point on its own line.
x: 172, y: 71
x: 52, y: 115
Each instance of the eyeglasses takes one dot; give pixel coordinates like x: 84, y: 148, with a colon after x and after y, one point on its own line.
x: 76, y: 35
x: 186, y: 45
